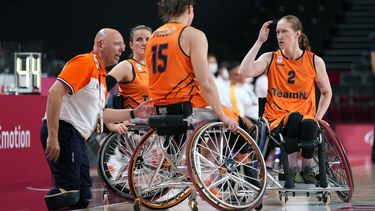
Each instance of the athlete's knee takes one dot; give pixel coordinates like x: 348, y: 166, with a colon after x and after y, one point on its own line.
x: 309, y: 130
x: 309, y: 135
x: 293, y: 125
x: 292, y: 132
x: 291, y: 145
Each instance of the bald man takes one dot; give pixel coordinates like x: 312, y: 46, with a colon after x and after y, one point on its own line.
x: 74, y: 107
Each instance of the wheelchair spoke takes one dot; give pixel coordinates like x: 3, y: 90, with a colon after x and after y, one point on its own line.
x: 244, y: 182
x: 205, y: 160
x: 213, y: 153
x: 212, y: 139
x: 246, y: 158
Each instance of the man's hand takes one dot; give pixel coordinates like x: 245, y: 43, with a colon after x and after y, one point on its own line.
x: 52, y: 148
x: 120, y: 128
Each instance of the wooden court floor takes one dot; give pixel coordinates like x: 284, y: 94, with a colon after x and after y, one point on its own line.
x: 30, y: 196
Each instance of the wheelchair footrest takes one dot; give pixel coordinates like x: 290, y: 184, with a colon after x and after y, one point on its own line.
x: 308, y: 188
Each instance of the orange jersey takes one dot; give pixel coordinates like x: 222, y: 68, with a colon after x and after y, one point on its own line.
x: 84, y: 75
x: 291, y: 87
x: 135, y: 92
x: 172, y: 79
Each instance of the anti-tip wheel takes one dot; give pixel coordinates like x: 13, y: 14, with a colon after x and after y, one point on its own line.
x: 327, y: 198
x: 283, y: 198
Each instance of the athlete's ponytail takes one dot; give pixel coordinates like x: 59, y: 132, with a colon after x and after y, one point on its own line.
x: 303, y: 42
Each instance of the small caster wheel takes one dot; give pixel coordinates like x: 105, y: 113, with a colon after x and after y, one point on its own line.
x: 137, y: 205
x: 307, y: 194
x: 319, y: 197
x: 327, y: 198
x: 105, y: 197
x: 193, y: 205
x: 259, y: 207
x: 283, y: 198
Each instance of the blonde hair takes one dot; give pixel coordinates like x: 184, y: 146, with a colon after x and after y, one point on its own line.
x: 136, y: 28
x: 303, y: 41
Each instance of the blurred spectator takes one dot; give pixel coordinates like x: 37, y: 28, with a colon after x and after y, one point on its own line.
x: 222, y: 75
x: 212, y: 63
x: 261, y: 85
x: 239, y: 96
x: 372, y: 49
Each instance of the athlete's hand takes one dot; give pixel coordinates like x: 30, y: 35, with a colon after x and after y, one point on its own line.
x: 230, y: 123
x: 264, y: 31
x: 52, y: 148
x: 144, y: 110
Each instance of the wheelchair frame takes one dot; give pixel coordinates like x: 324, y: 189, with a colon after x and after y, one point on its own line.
x: 163, y: 183
x: 113, y: 157
x: 173, y: 185
x: 330, y: 157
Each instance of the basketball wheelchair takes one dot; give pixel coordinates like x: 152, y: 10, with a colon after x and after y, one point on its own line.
x: 114, y: 155
x: 113, y: 159
x: 330, y: 164
x: 174, y: 153
x: 226, y: 169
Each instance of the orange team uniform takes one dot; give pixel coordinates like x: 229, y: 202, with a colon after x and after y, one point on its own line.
x: 291, y: 87
x: 84, y: 75
x: 135, y: 92
x: 172, y: 79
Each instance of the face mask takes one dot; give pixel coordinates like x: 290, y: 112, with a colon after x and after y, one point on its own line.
x: 213, y: 68
x: 225, y: 74
x: 248, y: 80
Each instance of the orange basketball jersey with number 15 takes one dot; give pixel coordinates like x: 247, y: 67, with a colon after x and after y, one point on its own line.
x: 171, y: 76
x: 291, y: 87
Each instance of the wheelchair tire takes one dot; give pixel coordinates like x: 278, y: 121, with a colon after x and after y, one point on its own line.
x: 340, y: 175
x: 209, y: 155
x: 113, y: 158
x: 148, y: 168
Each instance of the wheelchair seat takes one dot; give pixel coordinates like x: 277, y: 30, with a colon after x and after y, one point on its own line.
x: 171, y: 119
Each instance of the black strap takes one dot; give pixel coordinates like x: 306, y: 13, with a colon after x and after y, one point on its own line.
x: 111, y: 82
x: 261, y: 104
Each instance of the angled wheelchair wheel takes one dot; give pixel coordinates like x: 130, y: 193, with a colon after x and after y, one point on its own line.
x: 227, y: 169
x: 113, y: 159
x: 156, y: 173
x: 339, y: 172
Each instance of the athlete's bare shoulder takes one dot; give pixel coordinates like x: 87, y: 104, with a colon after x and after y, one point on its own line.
x: 193, y: 32
x: 163, y: 32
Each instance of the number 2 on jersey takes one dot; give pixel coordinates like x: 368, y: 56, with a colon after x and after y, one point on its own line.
x: 157, y: 55
x: 291, y: 76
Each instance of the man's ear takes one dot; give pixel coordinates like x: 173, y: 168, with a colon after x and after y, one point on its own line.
x: 99, y: 44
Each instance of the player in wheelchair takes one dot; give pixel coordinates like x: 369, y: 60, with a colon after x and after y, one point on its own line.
x: 291, y: 119
x: 186, y: 145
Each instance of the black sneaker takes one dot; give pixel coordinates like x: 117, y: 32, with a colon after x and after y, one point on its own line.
x: 58, y: 198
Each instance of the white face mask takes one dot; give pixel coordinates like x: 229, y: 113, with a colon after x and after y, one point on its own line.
x: 225, y: 74
x: 248, y: 80
x: 213, y: 68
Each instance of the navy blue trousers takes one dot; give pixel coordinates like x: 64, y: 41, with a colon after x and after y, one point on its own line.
x: 72, y: 169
